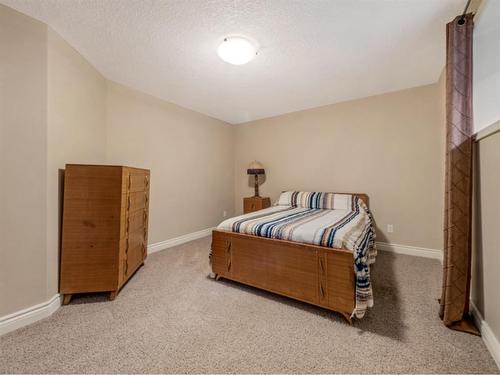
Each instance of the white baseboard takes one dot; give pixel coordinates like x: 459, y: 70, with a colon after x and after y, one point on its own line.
x: 153, y: 248
x: 410, y: 250
x: 30, y: 315
x: 489, y: 338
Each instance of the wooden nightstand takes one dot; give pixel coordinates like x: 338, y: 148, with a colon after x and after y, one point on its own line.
x: 252, y: 204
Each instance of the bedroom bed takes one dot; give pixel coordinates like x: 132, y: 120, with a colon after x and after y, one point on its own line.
x: 311, y: 246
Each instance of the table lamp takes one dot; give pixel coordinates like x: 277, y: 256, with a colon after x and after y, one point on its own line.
x: 256, y: 169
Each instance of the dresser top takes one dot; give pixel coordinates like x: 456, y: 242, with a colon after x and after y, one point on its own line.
x: 105, y: 165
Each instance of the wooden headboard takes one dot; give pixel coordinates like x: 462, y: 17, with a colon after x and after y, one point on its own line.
x: 363, y: 197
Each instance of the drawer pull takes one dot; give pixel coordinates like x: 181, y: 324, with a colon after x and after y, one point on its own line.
x: 146, y: 180
x: 228, y: 251
x: 146, y: 198
x: 322, y: 266
x: 322, y: 291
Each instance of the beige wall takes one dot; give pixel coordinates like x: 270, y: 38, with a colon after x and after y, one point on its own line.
x: 76, y: 131
x: 486, y: 65
x: 486, y: 277
x: 190, y: 156
x: 23, y: 149
x: 53, y: 112
x: 486, y: 234
x: 389, y: 146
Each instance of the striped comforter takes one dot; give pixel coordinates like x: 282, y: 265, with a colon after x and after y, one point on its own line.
x: 350, y: 227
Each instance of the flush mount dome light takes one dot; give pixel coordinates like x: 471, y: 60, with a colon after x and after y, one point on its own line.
x: 236, y: 50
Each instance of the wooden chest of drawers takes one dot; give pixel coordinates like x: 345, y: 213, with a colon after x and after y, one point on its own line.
x: 104, y: 229
x: 252, y: 204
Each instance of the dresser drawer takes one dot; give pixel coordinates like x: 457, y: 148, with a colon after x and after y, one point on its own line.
x: 136, y: 201
x: 135, y: 180
x: 133, y: 241
x: 133, y: 251
x: 133, y: 222
x: 255, y: 203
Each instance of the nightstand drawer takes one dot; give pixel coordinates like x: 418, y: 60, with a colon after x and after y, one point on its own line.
x: 252, y: 204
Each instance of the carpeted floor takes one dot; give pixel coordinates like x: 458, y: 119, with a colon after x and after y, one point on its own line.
x: 172, y: 318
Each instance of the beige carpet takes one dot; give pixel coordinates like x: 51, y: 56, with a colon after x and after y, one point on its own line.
x: 172, y: 318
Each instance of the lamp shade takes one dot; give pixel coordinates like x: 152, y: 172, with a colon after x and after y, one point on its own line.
x: 255, y: 168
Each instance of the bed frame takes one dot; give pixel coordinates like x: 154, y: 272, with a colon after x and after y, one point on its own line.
x: 314, y: 274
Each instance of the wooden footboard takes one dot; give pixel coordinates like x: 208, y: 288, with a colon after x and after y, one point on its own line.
x: 309, y: 273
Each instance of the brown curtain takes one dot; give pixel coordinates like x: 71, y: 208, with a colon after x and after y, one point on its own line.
x: 454, y: 309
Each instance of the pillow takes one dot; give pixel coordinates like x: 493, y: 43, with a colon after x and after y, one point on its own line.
x: 322, y: 200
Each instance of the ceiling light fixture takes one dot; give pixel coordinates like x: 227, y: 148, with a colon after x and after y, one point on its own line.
x: 237, y: 50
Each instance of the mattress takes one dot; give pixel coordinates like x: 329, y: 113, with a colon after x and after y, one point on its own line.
x: 301, y: 217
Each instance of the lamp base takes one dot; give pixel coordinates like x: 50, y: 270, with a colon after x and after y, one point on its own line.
x: 256, y: 185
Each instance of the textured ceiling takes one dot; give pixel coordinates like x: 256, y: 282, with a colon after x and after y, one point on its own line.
x: 312, y: 52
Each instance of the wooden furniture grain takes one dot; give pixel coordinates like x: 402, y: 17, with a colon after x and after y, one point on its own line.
x: 252, y: 204
x: 104, y: 229
x: 314, y: 274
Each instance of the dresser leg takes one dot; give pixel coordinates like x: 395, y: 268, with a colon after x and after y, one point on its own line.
x: 67, y: 299
x: 112, y: 295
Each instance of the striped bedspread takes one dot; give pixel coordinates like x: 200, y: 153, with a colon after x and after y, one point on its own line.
x: 350, y: 227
